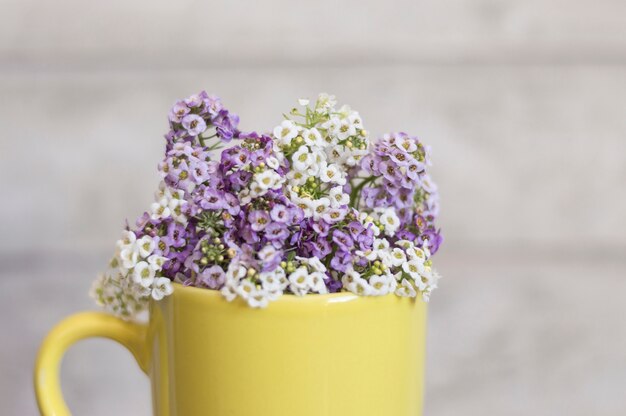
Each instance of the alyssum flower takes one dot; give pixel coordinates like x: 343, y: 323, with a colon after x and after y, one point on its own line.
x: 315, y: 206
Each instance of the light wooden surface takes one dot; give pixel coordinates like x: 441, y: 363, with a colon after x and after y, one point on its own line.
x: 524, y: 105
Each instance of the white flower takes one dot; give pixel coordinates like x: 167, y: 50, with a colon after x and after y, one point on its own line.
x: 143, y: 274
x: 306, y: 204
x: 334, y: 215
x: 302, y: 159
x: 127, y: 240
x: 285, y: 132
x: 345, y: 129
x: 270, y: 281
x: 414, y: 268
x: 319, y: 207
x: 406, y: 289
x: 296, y: 178
x: 370, y: 255
x: 338, y: 197
x: 257, y: 298
x: 129, y: 257
x: 355, y: 119
x: 331, y: 173
x: 313, y: 137
x: 272, y: 162
x: 245, y: 288
x: 360, y: 287
x: 319, y: 158
x: 316, y: 282
x: 176, y: 210
x: 299, y: 281
x: 390, y: 221
x: 381, y: 244
x: 160, y: 209
x: 145, y: 246
x: 235, y: 272
x: 162, y: 287
x: 229, y: 293
x: 350, y: 276
x: 316, y: 264
x: 416, y: 253
x: 379, y: 285
x: 325, y: 102
x: 268, y: 179
x: 397, y: 257
x: 157, y: 262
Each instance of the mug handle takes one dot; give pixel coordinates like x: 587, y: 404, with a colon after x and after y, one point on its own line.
x: 67, y: 332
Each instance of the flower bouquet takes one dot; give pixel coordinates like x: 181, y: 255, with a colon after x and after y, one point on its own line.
x: 313, y: 207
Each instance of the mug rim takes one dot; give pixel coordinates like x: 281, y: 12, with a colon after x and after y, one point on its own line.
x: 338, y: 297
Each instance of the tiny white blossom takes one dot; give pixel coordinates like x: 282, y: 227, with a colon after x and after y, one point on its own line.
x: 245, y: 288
x: 316, y: 282
x: 162, y: 287
x: 406, y: 289
x: 319, y: 207
x: 127, y: 241
x: 397, y: 257
x: 157, y: 262
x: 303, y: 101
x: 299, y: 281
x: 160, y: 209
x: 257, y: 298
x: 302, y: 159
x: 229, y: 293
x: 129, y: 257
x: 272, y: 162
x: 143, y: 274
x: 331, y: 173
x: 268, y: 179
x: 313, y: 137
x: 285, y: 132
x: 145, y: 246
x: 338, y: 197
x: 345, y: 129
x: 390, y: 220
x: 381, y: 244
x: 413, y: 268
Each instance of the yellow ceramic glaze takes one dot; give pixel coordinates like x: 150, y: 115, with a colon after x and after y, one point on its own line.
x: 318, y: 355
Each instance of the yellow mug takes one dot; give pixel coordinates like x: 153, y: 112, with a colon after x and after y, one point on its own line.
x: 319, y: 355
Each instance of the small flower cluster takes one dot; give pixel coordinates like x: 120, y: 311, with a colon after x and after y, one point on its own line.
x: 313, y: 207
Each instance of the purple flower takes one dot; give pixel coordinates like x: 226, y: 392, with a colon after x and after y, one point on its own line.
x: 212, y: 199
x: 355, y: 228
x: 333, y: 285
x: 279, y: 213
x: 343, y: 240
x: 161, y: 247
x: 321, y: 228
x: 175, y: 235
x: 194, y: 100
x: 276, y: 232
x: 194, y: 124
x: 213, y: 277
x: 258, y: 219
x: 319, y: 248
x: 226, y: 125
x: 341, y: 260
x: 434, y: 239
x: 178, y: 111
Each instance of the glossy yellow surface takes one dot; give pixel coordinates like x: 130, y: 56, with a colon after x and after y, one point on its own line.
x: 320, y: 355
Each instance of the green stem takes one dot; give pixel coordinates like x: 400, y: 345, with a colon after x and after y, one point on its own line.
x: 356, y: 191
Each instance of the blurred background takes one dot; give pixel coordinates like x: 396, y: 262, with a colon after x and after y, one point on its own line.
x: 523, y: 102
